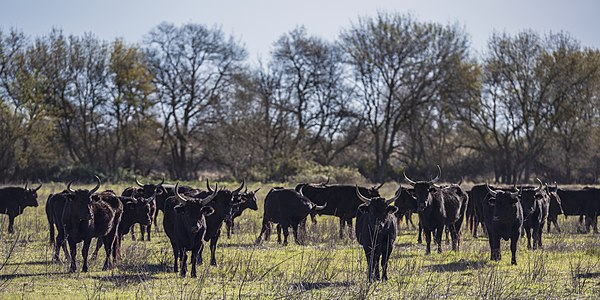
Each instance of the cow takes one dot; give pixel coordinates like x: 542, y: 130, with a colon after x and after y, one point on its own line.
x: 146, y: 191
x: 376, y: 231
x: 222, y: 204
x: 136, y: 210
x: 406, y: 205
x: 287, y: 208
x: 555, y: 207
x: 79, y: 218
x: 579, y: 203
x: 53, y: 201
x: 13, y: 201
x: 439, y: 207
x: 185, y: 225
x: 243, y: 201
x: 535, y: 204
x: 503, y: 218
x: 341, y: 200
x: 477, y: 195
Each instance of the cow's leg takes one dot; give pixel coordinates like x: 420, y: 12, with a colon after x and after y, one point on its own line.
x: 341, y: 228
x: 148, y: 230
x: 313, y: 217
x: 475, y: 225
x: 228, y: 226
x: 385, y: 256
x: 446, y: 230
x: 279, y: 235
x: 98, y: 245
x: 132, y: 229
x: 84, y: 252
x: 419, y: 234
x: 199, y: 257
x: 427, y: 241
x: 349, y: 222
x: 286, y: 233
x: 268, y: 231
x: 175, y: 257
x: 262, y: 230
x: 556, y: 225
x: 11, y: 223
x: 409, y: 220
x: 183, y: 255
x: 295, y: 231
x: 73, y: 250
x: 513, y: 249
x: 438, y: 238
x: 117, y: 247
x: 455, y: 238
x: 60, y: 242
x: 213, y: 249
x: 528, y: 232
x: 194, y: 259
x: 495, y: 246
x: 370, y: 261
x: 155, y: 221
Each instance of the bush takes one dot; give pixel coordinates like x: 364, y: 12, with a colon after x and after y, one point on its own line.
x: 315, y: 173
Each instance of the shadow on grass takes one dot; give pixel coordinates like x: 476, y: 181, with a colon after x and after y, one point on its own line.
x: 146, y: 268
x: 589, y: 275
x: 125, y: 279
x: 307, y: 286
x: 33, y: 263
x: 461, y: 265
x: 236, y: 245
x: 13, y: 276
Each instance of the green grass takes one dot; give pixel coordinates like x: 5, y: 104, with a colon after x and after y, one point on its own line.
x: 567, y: 268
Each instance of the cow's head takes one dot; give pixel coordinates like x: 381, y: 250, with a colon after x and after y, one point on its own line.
x: 406, y: 201
x: 149, y: 189
x: 555, y: 207
x: 424, y: 189
x: 530, y: 198
x: 30, y: 196
x: 378, y: 207
x: 192, y: 211
x: 505, y: 205
x: 81, y: 201
x: 224, y: 202
x: 140, y: 208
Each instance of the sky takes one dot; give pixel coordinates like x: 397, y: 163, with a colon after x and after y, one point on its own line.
x: 257, y: 24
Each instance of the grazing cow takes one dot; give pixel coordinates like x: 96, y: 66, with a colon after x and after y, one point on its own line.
x: 503, y: 218
x: 222, y: 205
x: 287, y: 208
x: 136, y: 210
x: 243, y: 201
x: 535, y: 204
x: 341, y: 200
x: 434, y: 211
x: 376, y: 231
x: 185, y: 225
x: 80, y: 218
x: 13, y: 201
x: 580, y: 203
x: 555, y: 207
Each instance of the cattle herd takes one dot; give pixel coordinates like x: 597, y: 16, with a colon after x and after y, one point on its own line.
x: 192, y: 216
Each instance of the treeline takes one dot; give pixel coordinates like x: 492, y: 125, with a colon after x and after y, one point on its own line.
x: 390, y: 93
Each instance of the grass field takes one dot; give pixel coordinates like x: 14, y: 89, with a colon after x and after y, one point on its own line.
x: 326, y: 268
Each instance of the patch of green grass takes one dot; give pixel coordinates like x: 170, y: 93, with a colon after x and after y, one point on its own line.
x: 326, y: 268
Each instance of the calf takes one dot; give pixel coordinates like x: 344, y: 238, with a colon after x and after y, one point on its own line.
x: 243, y: 201
x: 185, y: 225
x: 13, y: 201
x: 555, y: 207
x: 503, y: 218
x: 288, y: 208
x: 376, y: 231
x: 535, y: 204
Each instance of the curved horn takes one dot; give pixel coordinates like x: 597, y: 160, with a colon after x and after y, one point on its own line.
x: 539, y: 186
x: 97, y: 185
x: 37, y: 188
x: 326, y: 182
x: 437, y: 178
x: 177, y: 193
x: 322, y: 207
x: 361, y: 197
x: 396, y: 196
x: 408, y: 179
x: 237, y: 191
x: 300, y: 191
x: 208, y: 186
x: 69, y: 186
x: 246, y: 190
x: 490, y: 190
x: 26, y: 184
x: 518, y: 192
x: 211, y: 196
x: 162, y: 181
x: 138, y: 182
x: 378, y: 187
x: 555, y: 186
x: 459, y: 182
x: 256, y: 191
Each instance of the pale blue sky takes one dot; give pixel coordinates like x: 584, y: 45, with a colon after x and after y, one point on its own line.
x: 258, y: 23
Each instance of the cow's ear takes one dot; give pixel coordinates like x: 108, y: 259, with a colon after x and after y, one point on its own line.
x: 392, y: 209
x: 432, y: 189
x: 207, y: 210
x: 491, y: 201
x: 363, y: 208
x: 95, y: 197
x: 179, y: 208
